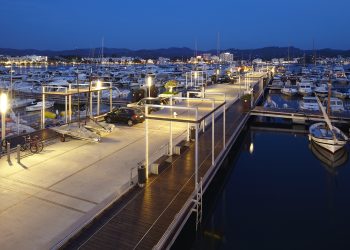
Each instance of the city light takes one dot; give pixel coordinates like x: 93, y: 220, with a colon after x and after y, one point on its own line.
x: 149, y: 81
x: 98, y: 84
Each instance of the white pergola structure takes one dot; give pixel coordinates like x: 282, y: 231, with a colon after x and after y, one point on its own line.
x: 75, y: 89
x: 186, y: 110
x: 196, y: 78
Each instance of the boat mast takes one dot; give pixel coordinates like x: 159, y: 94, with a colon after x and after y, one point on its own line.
x: 329, y: 96
x: 102, y: 50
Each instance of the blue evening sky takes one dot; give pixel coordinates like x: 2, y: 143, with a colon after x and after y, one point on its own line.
x: 137, y: 24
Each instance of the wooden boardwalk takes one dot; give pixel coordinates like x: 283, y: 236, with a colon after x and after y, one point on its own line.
x: 300, y: 115
x: 142, y: 220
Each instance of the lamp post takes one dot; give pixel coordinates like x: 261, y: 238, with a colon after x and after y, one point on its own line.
x: 3, y: 109
x: 195, y: 75
x: 149, y: 84
x: 98, y: 86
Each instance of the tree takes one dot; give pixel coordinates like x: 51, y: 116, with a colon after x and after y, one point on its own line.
x: 169, y: 85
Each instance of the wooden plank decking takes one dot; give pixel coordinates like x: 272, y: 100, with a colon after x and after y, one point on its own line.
x: 142, y: 221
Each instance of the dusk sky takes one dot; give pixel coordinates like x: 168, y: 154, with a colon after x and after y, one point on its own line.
x: 137, y: 24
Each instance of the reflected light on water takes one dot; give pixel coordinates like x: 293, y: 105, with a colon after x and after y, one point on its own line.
x: 251, y: 148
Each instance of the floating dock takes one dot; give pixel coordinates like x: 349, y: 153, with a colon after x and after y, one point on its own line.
x: 299, y: 116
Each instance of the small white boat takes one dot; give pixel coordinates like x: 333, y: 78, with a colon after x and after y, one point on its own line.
x: 290, y: 91
x: 20, y: 103
x: 309, y: 103
x: 325, y: 134
x: 39, y: 106
x: 321, y: 90
x: 331, y: 139
x: 305, y: 88
x: 341, y: 94
x: 336, y: 104
x: 276, y: 84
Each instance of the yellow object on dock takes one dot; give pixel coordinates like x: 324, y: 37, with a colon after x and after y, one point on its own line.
x: 50, y: 115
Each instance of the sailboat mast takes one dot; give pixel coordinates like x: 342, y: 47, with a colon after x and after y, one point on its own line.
x: 102, y: 50
x: 329, y: 96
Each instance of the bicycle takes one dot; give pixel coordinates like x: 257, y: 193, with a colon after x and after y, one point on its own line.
x: 4, y: 146
x: 35, y: 145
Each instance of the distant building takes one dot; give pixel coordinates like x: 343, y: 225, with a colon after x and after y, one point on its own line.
x: 275, y: 61
x: 163, y: 60
x: 206, y: 56
x: 26, y: 59
x: 257, y: 61
x: 226, y: 57
x: 215, y: 59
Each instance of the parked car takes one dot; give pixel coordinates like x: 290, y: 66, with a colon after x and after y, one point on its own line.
x: 127, y: 115
x: 149, y: 100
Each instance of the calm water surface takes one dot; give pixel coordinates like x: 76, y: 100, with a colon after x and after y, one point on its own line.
x: 279, y: 196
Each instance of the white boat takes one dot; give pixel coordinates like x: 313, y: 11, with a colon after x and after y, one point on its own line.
x: 20, y: 103
x: 335, y: 104
x: 309, y: 103
x: 321, y: 90
x: 276, y: 84
x: 305, y: 71
x: 331, y: 139
x: 290, y: 91
x: 341, y: 94
x: 39, y: 106
x: 305, y: 88
x: 326, y: 135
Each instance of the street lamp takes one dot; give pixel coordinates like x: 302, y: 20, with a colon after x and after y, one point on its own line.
x: 149, y: 84
x: 195, y: 76
x: 98, y: 86
x: 3, y: 109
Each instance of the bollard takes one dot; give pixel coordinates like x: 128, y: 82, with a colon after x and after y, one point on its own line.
x: 18, y: 154
x: 141, y: 176
x: 8, y: 152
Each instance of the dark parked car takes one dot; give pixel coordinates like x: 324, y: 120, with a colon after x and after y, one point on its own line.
x: 130, y: 116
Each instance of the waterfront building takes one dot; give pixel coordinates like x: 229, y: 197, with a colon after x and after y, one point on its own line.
x: 226, y: 57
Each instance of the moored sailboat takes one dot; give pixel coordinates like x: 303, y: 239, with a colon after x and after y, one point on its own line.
x: 325, y: 134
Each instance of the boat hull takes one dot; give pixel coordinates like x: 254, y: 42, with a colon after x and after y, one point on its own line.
x: 330, y: 145
x: 332, y: 140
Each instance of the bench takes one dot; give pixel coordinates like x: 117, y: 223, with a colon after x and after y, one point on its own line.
x: 181, y: 147
x: 160, y: 164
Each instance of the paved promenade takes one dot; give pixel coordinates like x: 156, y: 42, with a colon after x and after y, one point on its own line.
x: 50, y: 195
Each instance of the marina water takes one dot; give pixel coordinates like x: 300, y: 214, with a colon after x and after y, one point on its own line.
x: 275, y: 193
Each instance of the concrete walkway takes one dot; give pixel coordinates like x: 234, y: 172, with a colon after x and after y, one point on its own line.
x: 50, y: 195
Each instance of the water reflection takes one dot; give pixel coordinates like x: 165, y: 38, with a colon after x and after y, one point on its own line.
x: 279, y: 196
x: 330, y: 161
